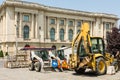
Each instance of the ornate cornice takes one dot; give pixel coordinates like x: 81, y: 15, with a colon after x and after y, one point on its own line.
x: 31, y: 5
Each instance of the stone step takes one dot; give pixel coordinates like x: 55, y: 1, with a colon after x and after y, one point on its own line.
x: 16, y: 64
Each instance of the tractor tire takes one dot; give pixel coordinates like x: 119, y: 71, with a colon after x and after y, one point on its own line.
x: 80, y: 71
x: 31, y: 66
x: 101, y: 67
x: 37, y: 66
x: 115, y: 64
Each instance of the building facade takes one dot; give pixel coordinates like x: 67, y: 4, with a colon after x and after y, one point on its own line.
x: 38, y: 25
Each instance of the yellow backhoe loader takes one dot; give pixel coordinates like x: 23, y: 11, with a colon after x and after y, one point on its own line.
x: 90, y: 53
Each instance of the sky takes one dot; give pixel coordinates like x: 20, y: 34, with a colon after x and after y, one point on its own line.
x: 100, y: 6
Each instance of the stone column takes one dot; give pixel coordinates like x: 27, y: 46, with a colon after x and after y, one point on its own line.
x: 16, y: 18
x: 75, y: 30
x: 96, y: 28
x: 111, y: 26
x: 48, y: 29
x: 36, y: 27
x: 91, y: 27
x: 32, y: 27
x: 104, y: 30
x: 21, y: 27
x: 57, y: 31
x: 4, y: 28
x: 16, y: 25
x: 41, y: 25
x: 2, y: 38
x: 66, y: 31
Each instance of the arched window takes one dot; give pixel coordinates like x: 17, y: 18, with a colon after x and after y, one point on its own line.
x: 53, y: 46
x: 78, y: 31
x: 61, y: 34
x: 52, y: 34
x: 62, y: 46
x: 70, y: 34
x: 26, y: 32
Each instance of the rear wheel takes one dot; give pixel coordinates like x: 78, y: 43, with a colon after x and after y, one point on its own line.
x: 37, y: 66
x: 116, y: 66
x: 31, y: 66
x: 80, y: 71
x: 101, y: 67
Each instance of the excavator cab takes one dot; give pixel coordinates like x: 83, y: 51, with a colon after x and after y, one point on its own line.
x: 97, y: 45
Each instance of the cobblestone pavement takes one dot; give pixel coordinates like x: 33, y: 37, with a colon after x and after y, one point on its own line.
x: 25, y: 74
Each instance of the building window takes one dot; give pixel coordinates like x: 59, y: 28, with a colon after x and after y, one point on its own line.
x: 61, y: 34
x: 26, y: 32
x: 107, y: 26
x: 62, y: 22
x: 78, y: 31
x: 70, y: 23
x: 26, y: 18
x: 52, y: 34
x: 70, y: 34
x: 79, y: 24
x: 53, y: 46
x: 52, y: 21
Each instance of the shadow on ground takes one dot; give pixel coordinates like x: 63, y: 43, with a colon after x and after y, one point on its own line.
x: 90, y: 74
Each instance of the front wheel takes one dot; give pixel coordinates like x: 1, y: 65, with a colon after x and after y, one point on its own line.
x: 37, y: 66
x: 101, y: 67
x: 31, y: 66
x: 116, y: 66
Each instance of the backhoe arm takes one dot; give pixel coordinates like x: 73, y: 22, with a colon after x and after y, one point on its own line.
x: 84, y: 36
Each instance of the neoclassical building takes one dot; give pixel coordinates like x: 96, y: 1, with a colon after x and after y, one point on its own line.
x: 38, y: 25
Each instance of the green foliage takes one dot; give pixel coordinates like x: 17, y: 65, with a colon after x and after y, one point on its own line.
x: 1, y: 54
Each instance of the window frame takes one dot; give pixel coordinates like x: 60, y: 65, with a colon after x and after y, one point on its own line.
x: 62, y: 23
x: 69, y: 23
x: 26, y: 33
x: 79, y: 25
x: 78, y: 31
x: 26, y: 18
x: 69, y: 35
x: 51, y: 32
x: 61, y: 34
x: 107, y: 26
x: 51, y: 21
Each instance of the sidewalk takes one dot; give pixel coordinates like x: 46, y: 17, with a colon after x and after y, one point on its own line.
x: 1, y: 62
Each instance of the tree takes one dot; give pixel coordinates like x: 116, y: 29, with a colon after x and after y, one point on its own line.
x: 113, y: 40
x: 1, y: 54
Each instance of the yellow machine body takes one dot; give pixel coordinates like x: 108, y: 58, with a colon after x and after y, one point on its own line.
x: 90, y: 52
